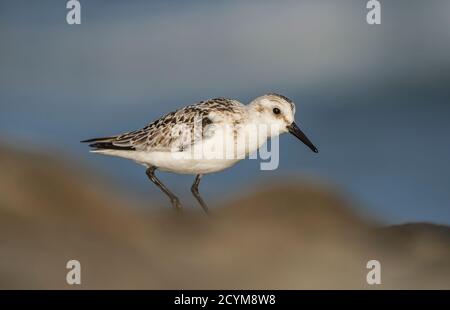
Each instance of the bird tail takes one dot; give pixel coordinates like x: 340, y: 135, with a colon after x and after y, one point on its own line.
x: 106, y: 143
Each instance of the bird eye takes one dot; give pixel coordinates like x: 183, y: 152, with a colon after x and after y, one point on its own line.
x: 276, y: 111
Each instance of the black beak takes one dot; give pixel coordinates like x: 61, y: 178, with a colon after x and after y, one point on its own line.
x: 293, y: 129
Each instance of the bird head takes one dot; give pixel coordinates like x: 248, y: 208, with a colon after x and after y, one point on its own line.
x: 278, y: 111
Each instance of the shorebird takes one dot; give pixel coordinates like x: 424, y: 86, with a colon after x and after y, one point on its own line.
x: 213, y: 126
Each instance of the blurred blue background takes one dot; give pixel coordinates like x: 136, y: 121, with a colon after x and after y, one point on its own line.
x: 374, y: 99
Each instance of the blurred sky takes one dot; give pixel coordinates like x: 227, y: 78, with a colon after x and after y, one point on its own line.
x: 374, y: 99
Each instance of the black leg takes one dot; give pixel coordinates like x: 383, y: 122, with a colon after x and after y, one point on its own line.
x: 194, y: 190
x: 173, y: 199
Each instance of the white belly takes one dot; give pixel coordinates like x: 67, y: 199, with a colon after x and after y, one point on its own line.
x: 207, y: 156
x: 166, y: 162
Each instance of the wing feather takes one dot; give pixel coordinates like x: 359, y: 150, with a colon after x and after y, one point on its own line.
x: 177, y: 130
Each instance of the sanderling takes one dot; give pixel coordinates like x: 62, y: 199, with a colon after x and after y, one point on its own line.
x: 206, y: 125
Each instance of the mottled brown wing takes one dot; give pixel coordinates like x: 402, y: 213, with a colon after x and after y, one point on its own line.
x: 177, y: 130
